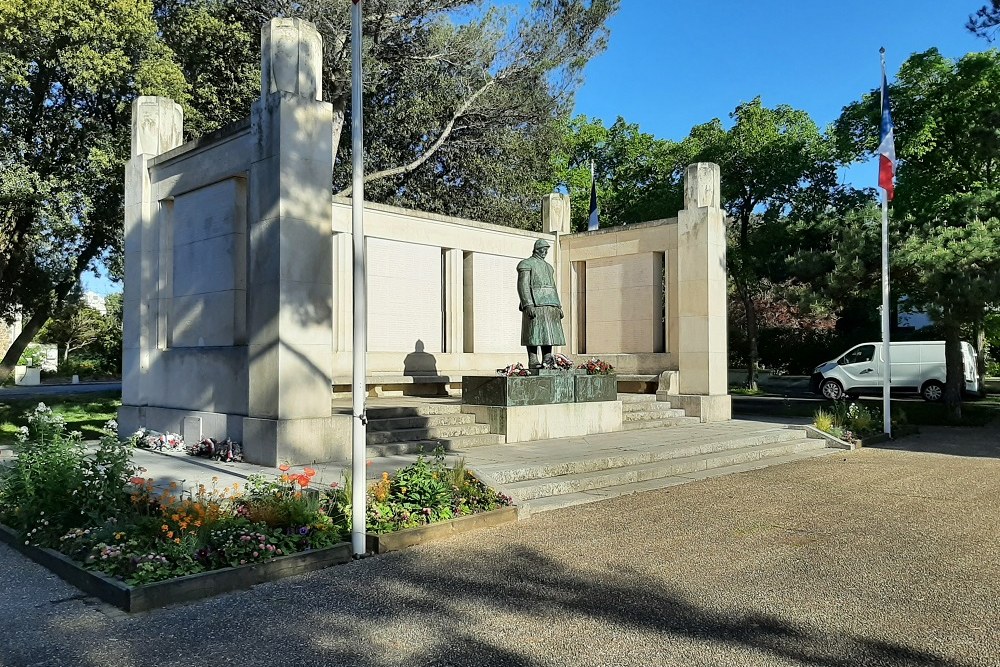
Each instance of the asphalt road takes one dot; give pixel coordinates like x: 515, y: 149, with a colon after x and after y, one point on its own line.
x: 874, y: 557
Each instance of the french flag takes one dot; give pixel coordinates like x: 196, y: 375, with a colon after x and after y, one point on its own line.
x: 886, y: 149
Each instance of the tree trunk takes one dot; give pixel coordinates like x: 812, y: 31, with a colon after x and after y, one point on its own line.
x: 31, y: 328
x: 981, y: 356
x: 751, y: 324
x: 953, y: 364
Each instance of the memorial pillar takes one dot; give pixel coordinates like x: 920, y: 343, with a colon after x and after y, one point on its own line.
x: 701, y: 268
x: 290, y: 272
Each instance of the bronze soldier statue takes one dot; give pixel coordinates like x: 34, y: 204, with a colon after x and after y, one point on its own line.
x: 541, y: 312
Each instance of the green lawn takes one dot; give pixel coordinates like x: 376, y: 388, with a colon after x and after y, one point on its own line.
x: 86, y: 413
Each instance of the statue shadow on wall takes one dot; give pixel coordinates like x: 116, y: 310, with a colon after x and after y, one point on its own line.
x: 419, y: 362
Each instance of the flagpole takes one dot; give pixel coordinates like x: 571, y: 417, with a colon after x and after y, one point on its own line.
x: 359, y: 421
x: 886, y: 348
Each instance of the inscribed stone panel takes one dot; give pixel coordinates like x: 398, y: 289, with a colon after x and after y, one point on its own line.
x: 495, y: 313
x: 404, y: 296
x: 625, y: 304
x: 207, y: 296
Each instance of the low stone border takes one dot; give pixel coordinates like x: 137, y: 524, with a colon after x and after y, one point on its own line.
x: 181, y: 589
x: 410, y: 537
x: 867, y: 441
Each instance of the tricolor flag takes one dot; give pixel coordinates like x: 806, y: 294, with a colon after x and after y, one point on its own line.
x: 593, y: 223
x: 887, y: 148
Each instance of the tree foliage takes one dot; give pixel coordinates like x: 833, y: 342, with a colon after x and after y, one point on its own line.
x: 985, y: 21
x: 69, y: 70
x: 462, y: 101
x: 638, y: 176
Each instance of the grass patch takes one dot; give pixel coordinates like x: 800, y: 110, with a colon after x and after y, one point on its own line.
x: 86, y: 413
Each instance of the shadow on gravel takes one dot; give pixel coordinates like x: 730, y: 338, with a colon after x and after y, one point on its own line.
x: 982, y: 442
x: 533, y: 587
x: 411, y: 610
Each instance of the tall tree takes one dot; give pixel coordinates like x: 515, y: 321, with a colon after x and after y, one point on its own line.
x: 767, y: 158
x: 68, y: 72
x: 462, y: 101
x: 947, y: 116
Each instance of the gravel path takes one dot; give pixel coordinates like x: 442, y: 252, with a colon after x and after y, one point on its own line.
x: 875, y: 557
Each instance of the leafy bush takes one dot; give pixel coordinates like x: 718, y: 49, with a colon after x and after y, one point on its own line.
x: 424, y: 492
x: 849, y: 420
x: 56, y: 484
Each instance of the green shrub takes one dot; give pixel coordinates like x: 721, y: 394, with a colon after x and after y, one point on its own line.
x: 423, y: 492
x: 56, y: 484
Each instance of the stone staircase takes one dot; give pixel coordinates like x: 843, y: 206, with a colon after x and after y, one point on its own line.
x: 558, y: 484
x: 411, y: 429
x: 644, y: 411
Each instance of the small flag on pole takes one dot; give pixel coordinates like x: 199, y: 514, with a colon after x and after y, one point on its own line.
x: 593, y: 223
x: 887, y: 147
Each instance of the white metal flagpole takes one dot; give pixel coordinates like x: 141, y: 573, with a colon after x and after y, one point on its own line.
x: 886, y: 348
x: 359, y: 428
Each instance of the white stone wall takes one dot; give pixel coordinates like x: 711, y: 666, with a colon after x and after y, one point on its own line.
x: 404, y: 296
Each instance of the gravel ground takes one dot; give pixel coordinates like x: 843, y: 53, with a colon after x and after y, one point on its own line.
x: 876, y: 557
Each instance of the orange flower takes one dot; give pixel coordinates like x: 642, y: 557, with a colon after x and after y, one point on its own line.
x: 170, y: 534
x: 177, y: 540
x: 138, y: 481
x: 284, y: 467
x: 309, y: 472
x: 164, y: 527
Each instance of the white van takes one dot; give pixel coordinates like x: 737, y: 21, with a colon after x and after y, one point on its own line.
x: 917, y: 366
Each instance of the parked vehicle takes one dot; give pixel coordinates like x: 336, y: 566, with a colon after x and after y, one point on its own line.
x: 917, y: 366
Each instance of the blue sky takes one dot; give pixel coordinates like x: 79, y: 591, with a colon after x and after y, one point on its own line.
x: 671, y: 65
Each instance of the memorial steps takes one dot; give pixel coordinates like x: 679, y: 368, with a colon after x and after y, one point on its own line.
x: 559, y: 484
x: 644, y: 411
x: 425, y: 425
x: 411, y: 429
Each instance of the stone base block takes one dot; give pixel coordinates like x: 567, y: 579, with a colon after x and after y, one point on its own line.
x: 717, y: 408
x: 669, y: 384
x: 270, y: 442
x: 539, y: 422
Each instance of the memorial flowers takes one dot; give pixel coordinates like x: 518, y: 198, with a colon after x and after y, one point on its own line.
x: 560, y: 362
x: 513, y: 370
x: 595, y: 366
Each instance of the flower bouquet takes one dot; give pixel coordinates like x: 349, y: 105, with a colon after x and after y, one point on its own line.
x: 513, y: 370
x: 560, y: 362
x: 595, y: 366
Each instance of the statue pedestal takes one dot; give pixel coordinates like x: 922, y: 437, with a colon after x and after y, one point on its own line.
x: 549, y: 404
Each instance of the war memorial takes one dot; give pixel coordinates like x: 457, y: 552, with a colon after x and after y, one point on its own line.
x: 238, y: 287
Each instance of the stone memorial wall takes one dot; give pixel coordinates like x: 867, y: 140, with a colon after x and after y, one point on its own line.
x: 238, y: 279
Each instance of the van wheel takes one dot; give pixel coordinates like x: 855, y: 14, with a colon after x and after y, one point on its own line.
x: 832, y: 390
x: 932, y: 391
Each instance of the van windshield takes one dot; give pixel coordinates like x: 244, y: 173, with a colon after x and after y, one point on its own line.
x: 860, y: 354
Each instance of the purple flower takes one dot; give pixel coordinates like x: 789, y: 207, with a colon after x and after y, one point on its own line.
x: 304, y: 530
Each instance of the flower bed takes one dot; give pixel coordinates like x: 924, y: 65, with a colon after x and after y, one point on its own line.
x: 86, y: 514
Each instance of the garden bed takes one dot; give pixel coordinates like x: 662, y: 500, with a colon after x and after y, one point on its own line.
x: 179, y: 589
x: 381, y: 543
